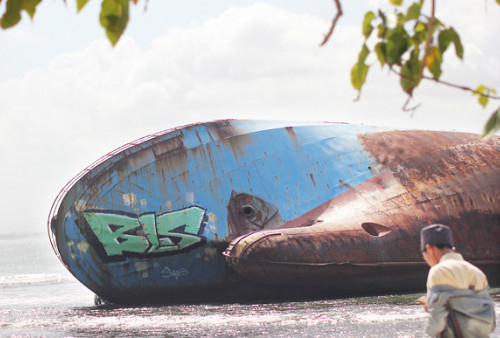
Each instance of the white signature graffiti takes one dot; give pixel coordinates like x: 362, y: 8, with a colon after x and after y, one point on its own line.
x: 173, y: 273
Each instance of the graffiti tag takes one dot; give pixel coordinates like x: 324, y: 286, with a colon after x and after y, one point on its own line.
x: 149, y: 233
x: 173, y: 273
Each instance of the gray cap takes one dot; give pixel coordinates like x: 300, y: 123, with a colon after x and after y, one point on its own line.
x: 436, y: 234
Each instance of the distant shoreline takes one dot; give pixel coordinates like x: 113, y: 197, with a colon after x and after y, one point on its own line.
x: 26, y: 234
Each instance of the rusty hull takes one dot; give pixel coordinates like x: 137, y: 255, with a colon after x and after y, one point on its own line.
x: 367, y: 238
x: 236, y: 210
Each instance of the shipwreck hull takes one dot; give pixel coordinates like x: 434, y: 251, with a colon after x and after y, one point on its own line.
x: 251, y: 210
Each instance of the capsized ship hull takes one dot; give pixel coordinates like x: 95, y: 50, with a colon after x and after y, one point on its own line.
x: 247, y: 210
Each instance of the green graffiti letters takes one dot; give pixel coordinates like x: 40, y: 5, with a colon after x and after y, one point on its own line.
x: 147, y: 233
x: 114, y: 231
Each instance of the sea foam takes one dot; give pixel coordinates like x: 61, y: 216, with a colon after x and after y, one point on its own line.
x: 40, y: 278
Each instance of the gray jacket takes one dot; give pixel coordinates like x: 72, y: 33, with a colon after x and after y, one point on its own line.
x: 473, y: 309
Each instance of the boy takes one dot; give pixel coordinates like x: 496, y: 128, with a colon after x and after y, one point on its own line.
x: 457, y: 291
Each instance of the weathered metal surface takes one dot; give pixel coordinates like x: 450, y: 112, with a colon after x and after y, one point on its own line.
x: 247, y: 213
x: 331, y: 208
x: 421, y: 178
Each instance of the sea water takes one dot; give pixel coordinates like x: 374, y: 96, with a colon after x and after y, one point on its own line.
x: 38, y: 297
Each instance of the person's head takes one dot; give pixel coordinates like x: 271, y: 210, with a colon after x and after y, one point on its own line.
x: 435, y: 241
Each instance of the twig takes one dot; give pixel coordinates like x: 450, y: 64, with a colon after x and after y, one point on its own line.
x: 449, y: 84
x: 428, y: 42
x: 410, y: 109
x: 468, y: 89
x: 334, y: 22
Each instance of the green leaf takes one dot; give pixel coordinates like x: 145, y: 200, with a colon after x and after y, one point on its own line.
x: 493, y: 124
x: 420, y: 27
x: 80, y: 4
x: 396, y: 2
x: 30, y: 6
x: 358, y: 75
x: 13, y: 10
x: 483, y: 100
x: 12, y: 13
x: 444, y: 40
x: 413, y: 12
x: 381, y: 31
x: 420, y: 35
x: 383, y: 18
x: 401, y: 19
x: 367, y: 24
x: 380, y: 50
x: 410, y: 73
x: 433, y: 62
x: 360, y: 69
x: 438, y: 23
x: 446, y: 37
x: 459, y: 49
x: 114, y: 18
x: 482, y: 91
x: 363, y: 54
x: 398, y: 42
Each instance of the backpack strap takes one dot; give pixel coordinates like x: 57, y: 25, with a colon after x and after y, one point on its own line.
x: 456, y: 326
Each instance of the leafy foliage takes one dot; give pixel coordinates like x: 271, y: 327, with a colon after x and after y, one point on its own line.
x: 493, y: 124
x: 114, y: 18
x: 483, y: 92
x: 408, y: 45
x: 114, y: 15
x: 413, y: 45
x: 360, y: 69
x: 13, y: 11
x: 80, y: 4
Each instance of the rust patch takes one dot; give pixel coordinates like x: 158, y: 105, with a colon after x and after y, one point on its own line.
x: 229, y: 136
x: 425, y: 157
x: 293, y: 137
x: 168, y: 146
x: 199, y: 138
x: 312, y: 179
x: 223, y: 129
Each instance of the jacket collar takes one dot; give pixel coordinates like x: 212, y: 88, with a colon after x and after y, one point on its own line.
x: 451, y: 255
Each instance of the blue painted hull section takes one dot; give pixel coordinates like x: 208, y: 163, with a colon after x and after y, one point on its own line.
x: 294, y: 167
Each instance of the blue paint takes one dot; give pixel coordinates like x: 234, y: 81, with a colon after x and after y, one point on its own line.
x: 295, y: 170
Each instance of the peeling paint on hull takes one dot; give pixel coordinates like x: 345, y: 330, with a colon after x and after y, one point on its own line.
x: 308, y: 210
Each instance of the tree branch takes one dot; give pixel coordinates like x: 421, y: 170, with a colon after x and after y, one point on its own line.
x: 468, y: 89
x: 334, y: 22
x: 428, y: 42
x: 449, y: 84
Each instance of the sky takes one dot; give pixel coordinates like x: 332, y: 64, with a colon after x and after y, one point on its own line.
x: 67, y: 97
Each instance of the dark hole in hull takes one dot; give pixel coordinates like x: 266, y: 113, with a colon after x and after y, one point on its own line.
x: 375, y: 229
